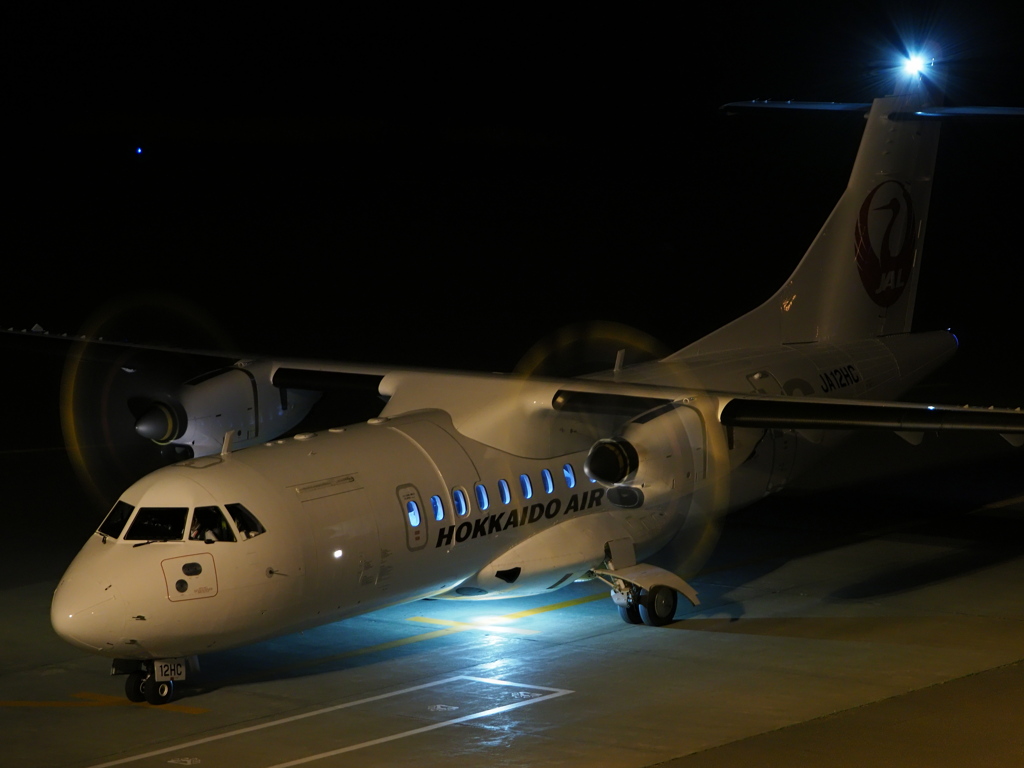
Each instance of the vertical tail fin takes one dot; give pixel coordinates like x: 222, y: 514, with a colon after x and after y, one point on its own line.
x: 859, y: 277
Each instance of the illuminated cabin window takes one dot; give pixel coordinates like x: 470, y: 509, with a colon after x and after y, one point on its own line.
x: 438, y: 506
x: 481, y: 497
x: 208, y: 524
x: 245, y: 521
x: 412, y: 509
x: 461, y: 502
x: 158, y: 524
x: 549, y: 484
x: 504, y: 492
x: 526, y: 485
x: 116, y: 519
x: 570, y: 475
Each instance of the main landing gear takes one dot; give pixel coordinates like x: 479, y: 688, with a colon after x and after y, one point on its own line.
x: 142, y: 683
x: 655, y: 607
x: 646, y: 594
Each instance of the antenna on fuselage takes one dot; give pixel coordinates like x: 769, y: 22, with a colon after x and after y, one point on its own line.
x: 225, y: 447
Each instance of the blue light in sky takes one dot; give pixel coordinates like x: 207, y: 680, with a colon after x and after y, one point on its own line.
x: 138, y: 150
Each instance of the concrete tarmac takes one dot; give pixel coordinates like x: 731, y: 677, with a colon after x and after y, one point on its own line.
x: 880, y: 625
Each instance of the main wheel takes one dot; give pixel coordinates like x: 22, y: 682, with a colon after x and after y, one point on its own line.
x: 159, y: 692
x: 630, y: 614
x: 658, y: 607
x: 135, y: 686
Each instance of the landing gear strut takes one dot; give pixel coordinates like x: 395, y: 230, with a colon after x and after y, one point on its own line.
x: 629, y: 608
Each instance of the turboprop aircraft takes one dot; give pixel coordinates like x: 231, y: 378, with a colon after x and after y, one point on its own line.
x: 486, y: 486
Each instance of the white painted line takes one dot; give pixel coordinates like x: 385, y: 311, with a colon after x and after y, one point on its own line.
x: 553, y: 693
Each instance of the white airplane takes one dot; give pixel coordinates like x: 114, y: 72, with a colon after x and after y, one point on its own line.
x: 474, y: 486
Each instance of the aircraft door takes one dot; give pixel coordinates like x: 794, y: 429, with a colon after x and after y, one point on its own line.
x: 449, y: 467
x: 344, y: 532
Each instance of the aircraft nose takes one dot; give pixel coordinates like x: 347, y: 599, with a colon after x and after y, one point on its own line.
x: 87, y: 614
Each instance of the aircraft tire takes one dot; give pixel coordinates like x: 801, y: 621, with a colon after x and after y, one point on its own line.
x: 135, y: 687
x: 658, y: 607
x: 630, y: 615
x: 159, y: 692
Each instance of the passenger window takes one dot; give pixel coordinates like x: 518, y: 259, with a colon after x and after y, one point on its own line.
x: 504, y: 492
x: 549, y: 485
x: 526, y: 485
x: 461, y: 502
x: 158, y: 524
x: 245, y: 521
x: 481, y: 497
x: 570, y: 475
x: 412, y: 509
x: 116, y: 519
x: 208, y: 524
x: 438, y: 507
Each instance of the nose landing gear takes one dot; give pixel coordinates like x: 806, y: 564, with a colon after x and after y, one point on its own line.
x: 142, y: 683
x: 140, y: 686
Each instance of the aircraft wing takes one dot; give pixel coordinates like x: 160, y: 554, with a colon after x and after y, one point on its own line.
x: 822, y: 413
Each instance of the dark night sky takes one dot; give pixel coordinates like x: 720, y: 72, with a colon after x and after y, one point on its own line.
x: 445, y: 189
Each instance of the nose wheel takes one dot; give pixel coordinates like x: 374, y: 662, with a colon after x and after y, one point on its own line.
x: 140, y: 686
x: 159, y: 692
x: 135, y: 687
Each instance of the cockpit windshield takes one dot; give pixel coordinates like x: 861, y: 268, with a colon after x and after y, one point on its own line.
x: 248, y: 525
x: 158, y: 524
x: 116, y: 519
x: 208, y: 524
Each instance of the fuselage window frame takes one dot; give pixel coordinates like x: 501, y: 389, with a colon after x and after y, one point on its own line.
x: 504, y: 492
x: 526, y: 485
x: 438, y: 506
x: 412, y: 510
x: 549, y: 484
x: 482, y: 500
x: 461, y: 501
x: 570, y: 475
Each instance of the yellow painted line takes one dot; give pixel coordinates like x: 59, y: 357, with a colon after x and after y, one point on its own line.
x: 557, y: 606
x: 103, y: 700
x: 453, y: 627
x: 466, y: 625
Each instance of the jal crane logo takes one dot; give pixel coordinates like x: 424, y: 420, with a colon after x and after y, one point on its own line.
x: 884, y: 241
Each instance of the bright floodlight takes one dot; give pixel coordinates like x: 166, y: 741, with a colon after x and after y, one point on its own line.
x: 914, y: 65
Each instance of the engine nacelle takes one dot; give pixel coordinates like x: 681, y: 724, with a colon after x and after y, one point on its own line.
x: 657, y: 455
x: 241, y: 399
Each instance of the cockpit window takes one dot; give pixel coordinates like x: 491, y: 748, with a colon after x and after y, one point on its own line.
x: 208, y: 524
x: 158, y: 523
x: 116, y: 519
x: 246, y: 522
